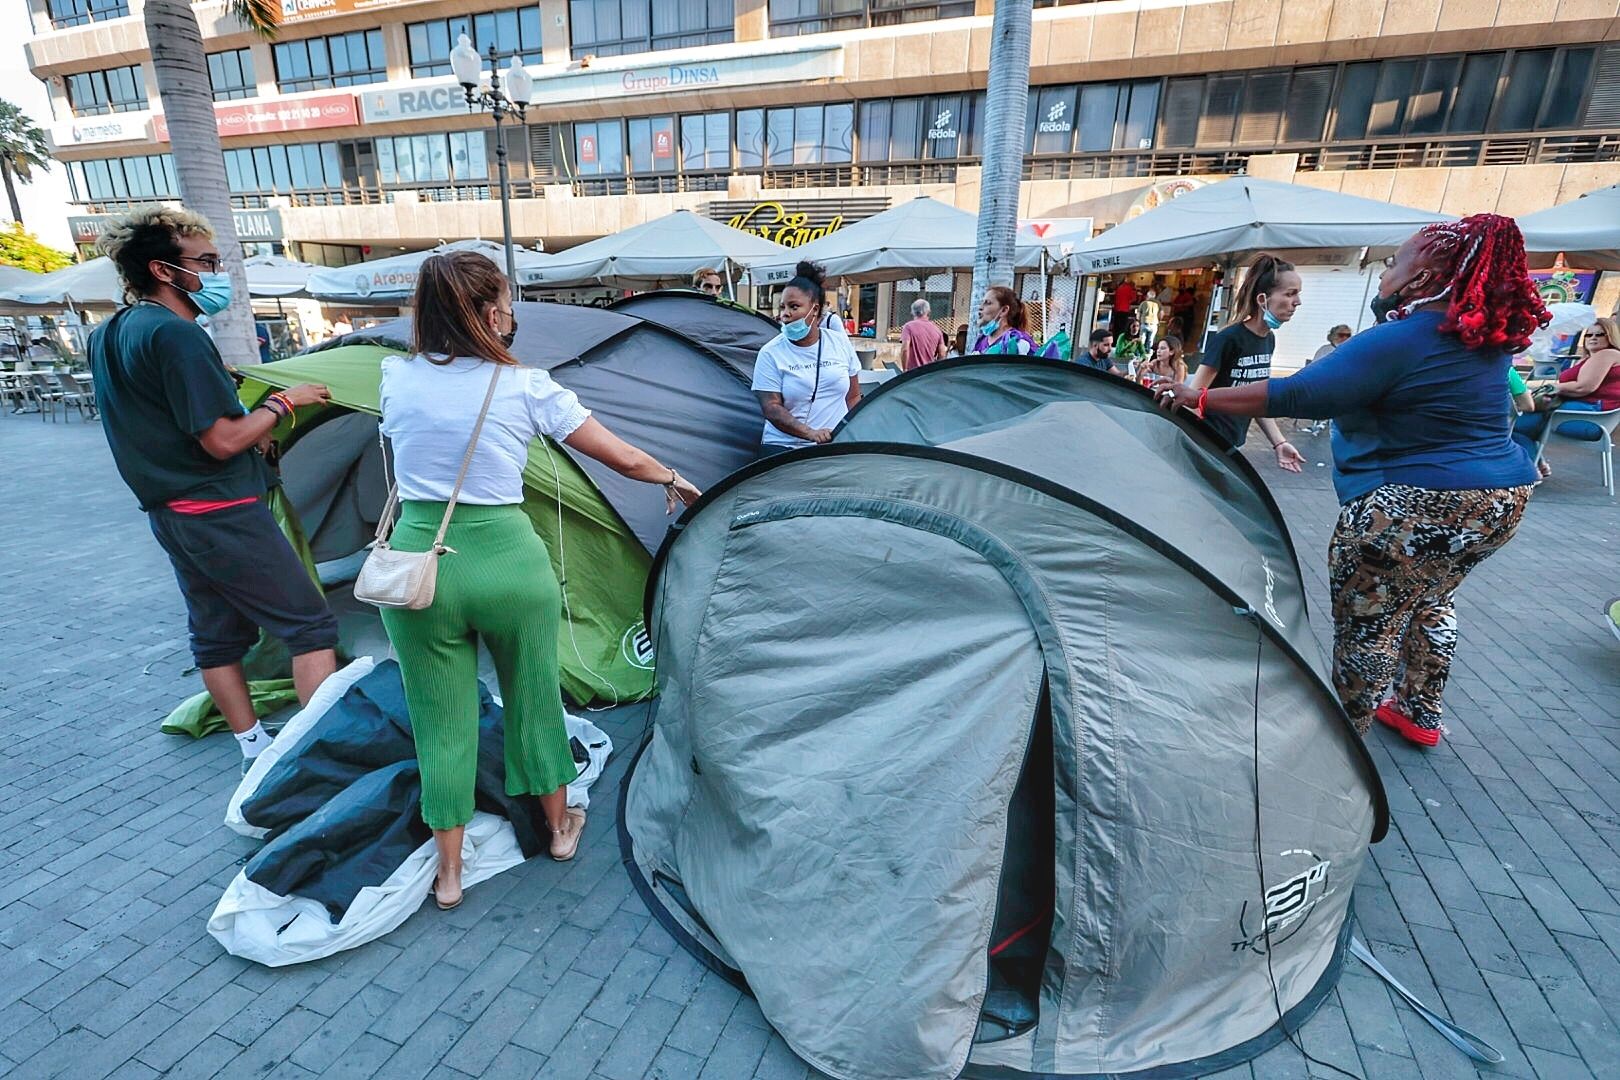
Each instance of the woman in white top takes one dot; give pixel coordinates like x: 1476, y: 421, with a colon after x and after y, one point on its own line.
x: 805, y: 378
x: 495, y: 582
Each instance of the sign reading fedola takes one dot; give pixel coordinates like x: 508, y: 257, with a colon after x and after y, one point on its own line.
x: 442, y: 97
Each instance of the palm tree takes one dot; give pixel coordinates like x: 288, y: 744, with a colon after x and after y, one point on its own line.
x: 22, y: 150
x: 181, y: 67
x: 1006, y: 103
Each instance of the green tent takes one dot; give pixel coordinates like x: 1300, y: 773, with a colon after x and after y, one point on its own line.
x: 658, y: 387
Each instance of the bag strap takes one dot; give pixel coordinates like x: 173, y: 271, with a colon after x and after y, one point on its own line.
x: 466, y: 460
x: 385, y: 523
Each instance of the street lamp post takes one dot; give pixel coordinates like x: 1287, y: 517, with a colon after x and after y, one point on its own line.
x: 504, y: 103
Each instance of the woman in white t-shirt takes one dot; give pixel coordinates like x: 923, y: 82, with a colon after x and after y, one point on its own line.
x: 495, y: 580
x: 805, y: 378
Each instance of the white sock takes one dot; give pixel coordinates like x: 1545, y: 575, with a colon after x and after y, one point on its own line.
x: 254, y: 741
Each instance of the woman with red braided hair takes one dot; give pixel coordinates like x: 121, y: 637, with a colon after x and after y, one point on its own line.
x: 1429, y: 481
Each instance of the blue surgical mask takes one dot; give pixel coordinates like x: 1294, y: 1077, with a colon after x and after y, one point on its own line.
x: 989, y: 328
x: 1271, y: 320
x: 213, y: 292
x: 797, y: 330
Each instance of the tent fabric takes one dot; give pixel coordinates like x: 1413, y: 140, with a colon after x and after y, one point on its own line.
x: 733, y: 331
x: 658, y: 388
x: 665, y: 251
x: 835, y: 802
x: 391, y: 281
x: 1234, y: 218
x: 1585, y: 230
x: 923, y: 234
x: 337, y: 797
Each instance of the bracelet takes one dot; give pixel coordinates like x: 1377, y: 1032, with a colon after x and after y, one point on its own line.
x: 286, y: 403
x: 1202, y: 394
x: 674, y: 478
x: 275, y: 404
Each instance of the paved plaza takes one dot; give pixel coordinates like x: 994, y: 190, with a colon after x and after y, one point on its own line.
x: 1496, y: 897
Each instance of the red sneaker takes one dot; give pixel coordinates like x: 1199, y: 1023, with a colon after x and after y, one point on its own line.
x: 1391, y: 717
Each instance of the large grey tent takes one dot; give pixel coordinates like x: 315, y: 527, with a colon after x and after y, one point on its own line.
x: 1586, y: 231
x: 993, y: 740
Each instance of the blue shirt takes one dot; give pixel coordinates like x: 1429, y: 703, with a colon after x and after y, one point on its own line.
x: 1410, y: 405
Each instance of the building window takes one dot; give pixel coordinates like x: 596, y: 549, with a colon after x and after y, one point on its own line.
x: 65, y: 13
x: 512, y: 31
x: 456, y: 156
x: 1050, y: 122
x: 143, y: 176
x: 599, y: 148
x: 706, y: 142
x: 940, y: 128
x: 95, y: 93
x: 284, y: 168
x: 805, y: 135
x: 231, y: 75
x: 618, y: 27
x: 789, y: 17
x: 322, y: 63
x: 651, y: 142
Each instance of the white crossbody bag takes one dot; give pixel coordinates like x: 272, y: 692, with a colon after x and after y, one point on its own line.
x: 407, y: 579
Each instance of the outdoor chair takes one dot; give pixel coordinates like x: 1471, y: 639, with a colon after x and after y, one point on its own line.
x: 47, y: 394
x: 1605, y: 422
x: 15, y: 394
x: 74, y: 394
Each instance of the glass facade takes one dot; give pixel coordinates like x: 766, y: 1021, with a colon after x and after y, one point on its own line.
x: 515, y: 31
x: 790, y: 17
x: 280, y: 169
x: 96, y: 93
x: 620, y: 27
x: 443, y: 157
x: 322, y: 63
x: 231, y: 75
x: 142, y: 176
x: 65, y: 13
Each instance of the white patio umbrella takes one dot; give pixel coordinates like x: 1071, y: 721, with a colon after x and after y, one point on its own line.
x: 662, y: 251
x: 391, y: 282
x: 921, y: 235
x: 275, y: 276
x: 1586, y: 230
x: 1232, y: 219
x: 87, y: 284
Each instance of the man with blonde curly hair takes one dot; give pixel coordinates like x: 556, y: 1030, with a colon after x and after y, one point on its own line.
x: 194, y: 457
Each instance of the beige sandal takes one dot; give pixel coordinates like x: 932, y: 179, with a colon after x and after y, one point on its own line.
x: 565, y: 841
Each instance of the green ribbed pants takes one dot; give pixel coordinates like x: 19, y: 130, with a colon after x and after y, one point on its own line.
x: 498, y: 586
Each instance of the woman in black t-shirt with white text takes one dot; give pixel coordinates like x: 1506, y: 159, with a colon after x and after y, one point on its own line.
x: 1241, y: 353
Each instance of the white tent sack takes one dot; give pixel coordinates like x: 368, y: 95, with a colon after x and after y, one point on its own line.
x: 252, y: 922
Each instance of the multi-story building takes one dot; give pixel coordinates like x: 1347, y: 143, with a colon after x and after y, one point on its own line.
x: 347, y: 137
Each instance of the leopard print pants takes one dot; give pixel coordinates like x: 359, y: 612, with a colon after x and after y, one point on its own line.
x: 1397, y: 556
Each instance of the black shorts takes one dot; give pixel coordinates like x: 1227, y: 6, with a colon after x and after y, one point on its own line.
x: 238, y: 574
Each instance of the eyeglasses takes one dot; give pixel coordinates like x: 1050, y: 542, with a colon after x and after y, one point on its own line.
x: 207, y: 262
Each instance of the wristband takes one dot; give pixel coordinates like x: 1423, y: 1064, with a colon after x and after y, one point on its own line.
x: 286, y: 403
x: 274, y: 404
x: 1202, y: 394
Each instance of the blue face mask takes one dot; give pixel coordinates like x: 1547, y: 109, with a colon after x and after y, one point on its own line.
x: 989, y: 328
x: 797, y: 330
x: 1271, y: 320
x: 213, y: 293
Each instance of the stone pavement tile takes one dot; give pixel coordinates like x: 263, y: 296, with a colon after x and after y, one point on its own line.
x: 361, y: 1059
x: 737, y: 1053
x: 625, y: 987
x: 412, y: 1008
x: 681, y: 975
x: 1555, y: 909
x: 1448, y: 960
x: 1557, y: 1066
x: 1377, y: 1065
x: 1370, y: 1011
x: 779, y: 1062
x: 426, y: 1046
x: 193, y: 1026
x: 478, y: 989
x: 631, y: 1053
x: 513, y: 1063
x: 275, y: 1045
x: 92, y: 1058
x: 601, y: 955
x: 349, y: 974
x: 285, y: 989
x: 1585, y: 891
x: 1450, y: 883
x: 24, y: 1031
x: 343, y: 1028
x: 1484, y: 869
x: 1531, y: 1018
x: 559, y: 1012
x: 576, y: 1056
x: 1519, y: 922
x: 80, y: 974
x: 1599, y: 969
x: 1578, y: 1010
x: 205, y: 1060
x: 551, y: 960
x: 673, y: 1064
x: 704, y: 1017
x: 476, y: 1049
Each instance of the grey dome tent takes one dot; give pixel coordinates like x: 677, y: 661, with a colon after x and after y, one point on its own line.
x: 993, y: 741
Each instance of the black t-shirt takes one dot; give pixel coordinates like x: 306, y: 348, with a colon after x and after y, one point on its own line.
x: 160, y: 383
x: 1239, y: 357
